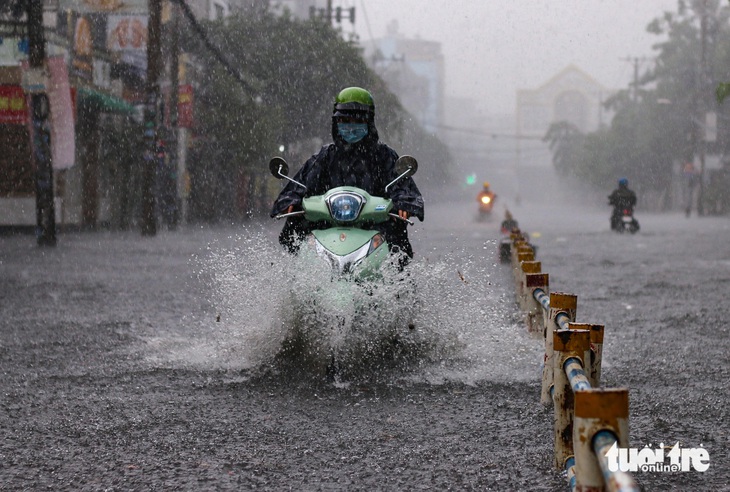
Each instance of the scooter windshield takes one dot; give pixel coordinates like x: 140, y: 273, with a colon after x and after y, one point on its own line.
x: 345, y: 207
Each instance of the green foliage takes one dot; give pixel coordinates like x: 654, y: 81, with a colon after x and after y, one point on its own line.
x: 293, y: 70
x: 722, y: 91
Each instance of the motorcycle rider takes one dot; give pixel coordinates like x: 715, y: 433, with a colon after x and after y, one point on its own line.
x: 509, y: 223
x: 356, y: 157
x: 622, y: 199
x: 486, y: 192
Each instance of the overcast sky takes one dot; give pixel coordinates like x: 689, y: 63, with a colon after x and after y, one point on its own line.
x: 494, y: 47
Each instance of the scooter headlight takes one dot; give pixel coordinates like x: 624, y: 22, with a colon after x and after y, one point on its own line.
x: 486, y: 200
x: 345, y: 207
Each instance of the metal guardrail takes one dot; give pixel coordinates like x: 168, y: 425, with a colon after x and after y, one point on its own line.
x: 588, y: 419
x: 573, y: 368
x: 616, y: 481
x: 540, y: 296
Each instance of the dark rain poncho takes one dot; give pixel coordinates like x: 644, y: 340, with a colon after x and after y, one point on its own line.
x: 622, y: 198
x: 369, y: 165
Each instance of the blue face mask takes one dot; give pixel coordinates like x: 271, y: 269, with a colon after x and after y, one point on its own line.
x: 352, y: 132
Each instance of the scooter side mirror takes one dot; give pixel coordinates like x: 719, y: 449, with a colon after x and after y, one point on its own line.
x: 406, y: 166
x: 278, y: 167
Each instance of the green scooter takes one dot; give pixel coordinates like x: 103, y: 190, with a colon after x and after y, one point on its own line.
x: 355, y: 302
x: 350, y: 244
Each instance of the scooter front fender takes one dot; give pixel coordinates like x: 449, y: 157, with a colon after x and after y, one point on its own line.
x: 349, y: 250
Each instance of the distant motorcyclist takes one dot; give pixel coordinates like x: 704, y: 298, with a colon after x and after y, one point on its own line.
x: 622, y: 199
x: 509, y: 223
x: 486, y: 198
x: 355, y: 158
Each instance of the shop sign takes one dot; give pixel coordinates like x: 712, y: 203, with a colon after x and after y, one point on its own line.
x: 185, y: 106
x: 13, y: 108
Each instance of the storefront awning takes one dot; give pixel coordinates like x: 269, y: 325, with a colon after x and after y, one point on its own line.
x: 103, y: 102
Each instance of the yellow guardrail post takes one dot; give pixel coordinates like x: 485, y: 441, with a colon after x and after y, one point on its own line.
x: 594, y: 358
x: 599, y: 411
x: 534, y: 317
x: 562, y: 306
x: 526, y: 267
x: 569, y: 345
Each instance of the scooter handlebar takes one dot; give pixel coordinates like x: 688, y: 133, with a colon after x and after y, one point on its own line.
x: 302, y: 212
x: 290, y: 214
x: 401, y: 218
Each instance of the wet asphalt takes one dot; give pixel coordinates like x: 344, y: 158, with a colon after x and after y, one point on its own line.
x: 88, y: 403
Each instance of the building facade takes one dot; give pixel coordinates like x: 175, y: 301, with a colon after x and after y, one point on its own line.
x: 97, y: 62
x: 414, y: 71
x: 571, y: 95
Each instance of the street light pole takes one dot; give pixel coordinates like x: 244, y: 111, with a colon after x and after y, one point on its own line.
x: 40, y: 129
x: 172, y: 134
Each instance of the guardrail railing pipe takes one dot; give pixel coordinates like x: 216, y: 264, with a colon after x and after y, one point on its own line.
x: 542, y: 297
x: 601, y: 418
x: 570, y: 348
x: 562, y: 311
x: 594, y: 357
x: 616, y: 481
x: 570, y: 472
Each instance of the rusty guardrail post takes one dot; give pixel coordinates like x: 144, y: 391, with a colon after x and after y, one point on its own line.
x: 534, y: 316
x: 526, y: 267
x: 594, y: 357
x: 524, y: 253
x: 570, y: 348
x: 601, y: 419
x: 517, y: 242
x: 596, y: 354
x: 562, y: 311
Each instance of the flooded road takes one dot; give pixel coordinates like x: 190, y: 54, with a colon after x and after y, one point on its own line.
x: 135, y: 363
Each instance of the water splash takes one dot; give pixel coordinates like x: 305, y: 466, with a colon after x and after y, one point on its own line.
x: 436, y: 321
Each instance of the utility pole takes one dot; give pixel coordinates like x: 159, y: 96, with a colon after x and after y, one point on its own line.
x: 40, y: 129
x: 699, y: 124
x: 635, y: 61
x: 330, y: 13
x: 151, y: 118
x: 636, y: 80
x: 171, y: 137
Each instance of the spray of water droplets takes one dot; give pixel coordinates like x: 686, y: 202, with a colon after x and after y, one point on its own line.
x: 437, y: 320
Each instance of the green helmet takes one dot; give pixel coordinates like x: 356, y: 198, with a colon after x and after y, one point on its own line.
x: 354, y: 101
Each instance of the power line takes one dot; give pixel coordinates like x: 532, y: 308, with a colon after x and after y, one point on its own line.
x: 487, y: 134
x: 211, y: 47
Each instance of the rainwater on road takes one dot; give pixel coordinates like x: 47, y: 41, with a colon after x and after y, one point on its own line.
x: 133, y: 363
